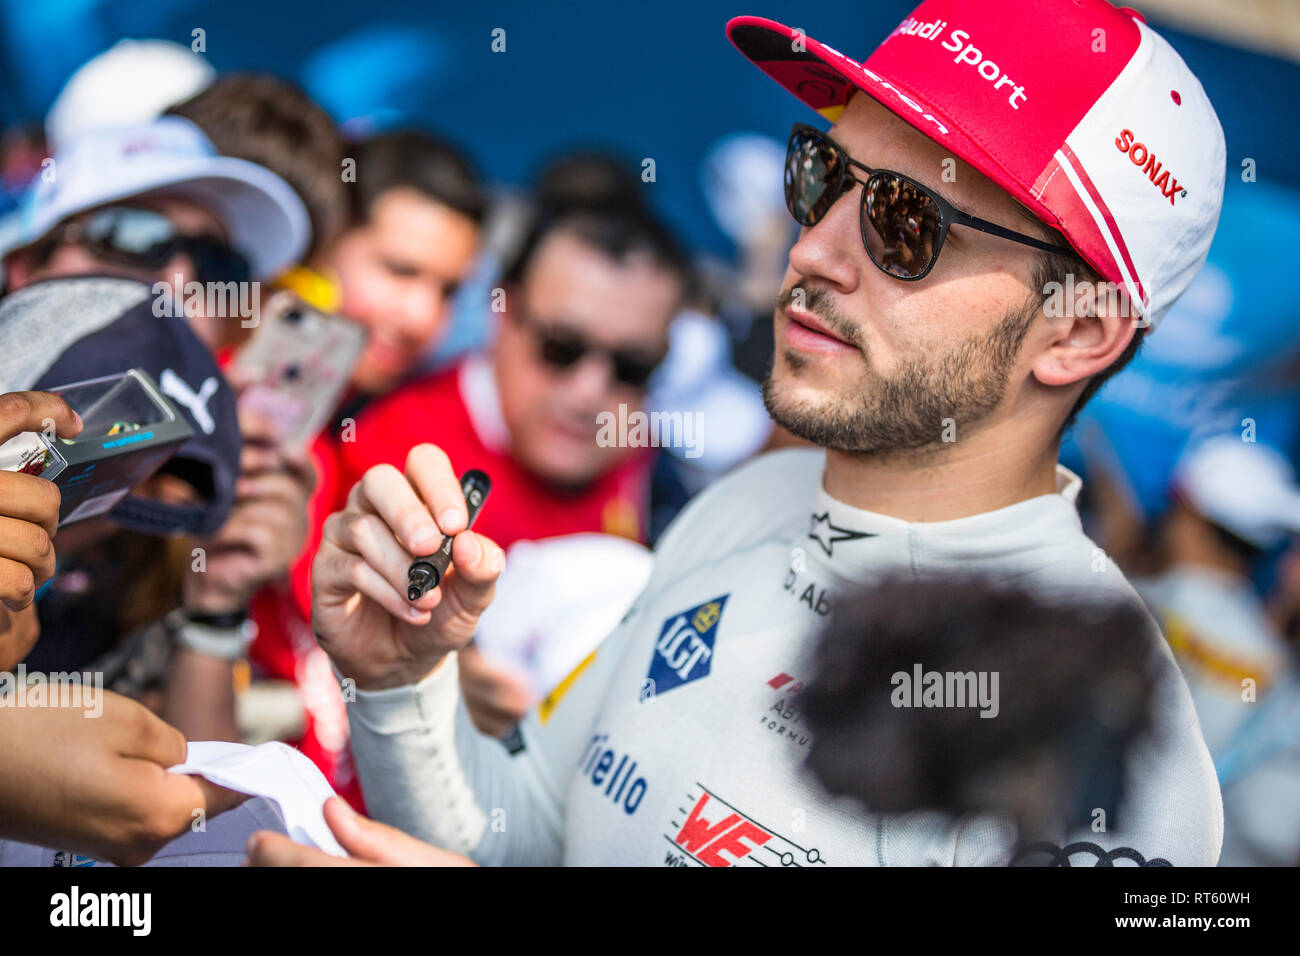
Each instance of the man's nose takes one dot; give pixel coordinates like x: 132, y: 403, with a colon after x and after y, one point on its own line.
x: 832, y: 250
x: 590, y: 378
x: 422, y: 306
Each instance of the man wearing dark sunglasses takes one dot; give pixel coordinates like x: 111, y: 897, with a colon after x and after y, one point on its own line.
x: 151, y: 239
x: 919, y: 346
x: 587, y: 301
x: 582, y: 334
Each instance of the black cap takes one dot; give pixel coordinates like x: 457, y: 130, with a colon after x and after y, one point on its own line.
x: 62, y: 331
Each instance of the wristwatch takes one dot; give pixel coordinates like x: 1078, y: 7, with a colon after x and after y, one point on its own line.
x: 225, y: 636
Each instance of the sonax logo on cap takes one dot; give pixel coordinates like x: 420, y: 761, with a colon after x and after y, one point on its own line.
x: 1146, y: 159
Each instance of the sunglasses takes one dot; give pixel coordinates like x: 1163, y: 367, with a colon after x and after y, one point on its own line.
x: 903, y: 223
x: 144, y: 239
x: 562, y: 348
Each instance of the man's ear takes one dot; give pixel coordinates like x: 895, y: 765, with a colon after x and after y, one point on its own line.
x: 1089, y: 325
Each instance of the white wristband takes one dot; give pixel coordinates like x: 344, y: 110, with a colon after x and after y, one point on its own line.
x: 226, y: 643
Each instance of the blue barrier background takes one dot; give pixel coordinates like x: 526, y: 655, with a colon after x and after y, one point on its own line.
x: 656, y: 80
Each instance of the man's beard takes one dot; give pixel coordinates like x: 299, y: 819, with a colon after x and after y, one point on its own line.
x: 911, y: 409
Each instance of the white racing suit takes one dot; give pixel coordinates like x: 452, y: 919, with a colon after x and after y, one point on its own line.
x: 677, y: 742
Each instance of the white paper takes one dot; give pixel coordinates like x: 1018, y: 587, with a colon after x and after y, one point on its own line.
x: 275, y: 771
x: 288, y: 790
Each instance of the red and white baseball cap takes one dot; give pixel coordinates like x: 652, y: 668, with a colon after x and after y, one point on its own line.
x: 1079, y: 110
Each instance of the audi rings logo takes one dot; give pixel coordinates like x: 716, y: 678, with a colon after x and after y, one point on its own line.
x: 1060, y: 856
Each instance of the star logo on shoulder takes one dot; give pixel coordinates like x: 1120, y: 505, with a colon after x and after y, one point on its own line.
x: 822, y: 530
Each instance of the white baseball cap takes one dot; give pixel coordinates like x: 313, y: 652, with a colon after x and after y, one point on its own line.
x: 131, y: 82
x: 264, y: 219
x: 1246, y: 488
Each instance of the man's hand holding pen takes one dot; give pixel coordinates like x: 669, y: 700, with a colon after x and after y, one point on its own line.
x: 361, y: 575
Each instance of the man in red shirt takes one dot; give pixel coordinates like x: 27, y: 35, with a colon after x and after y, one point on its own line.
x: 584, y: 313
x: 584, y: 310
x: 418, y: 208
x: 417, y: 211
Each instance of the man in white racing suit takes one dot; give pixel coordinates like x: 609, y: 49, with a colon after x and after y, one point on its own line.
x: 936, y: 387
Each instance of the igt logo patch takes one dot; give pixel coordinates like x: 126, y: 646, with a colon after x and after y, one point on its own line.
x: 684, y: 651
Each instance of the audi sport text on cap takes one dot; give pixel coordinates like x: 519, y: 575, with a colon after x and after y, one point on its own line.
x: 1076, y: 108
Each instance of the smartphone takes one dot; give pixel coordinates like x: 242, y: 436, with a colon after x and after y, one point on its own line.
x: 130, y: 429
x: 298, y: 362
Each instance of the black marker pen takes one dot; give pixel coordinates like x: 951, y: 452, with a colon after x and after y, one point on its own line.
x: 425, y: 573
